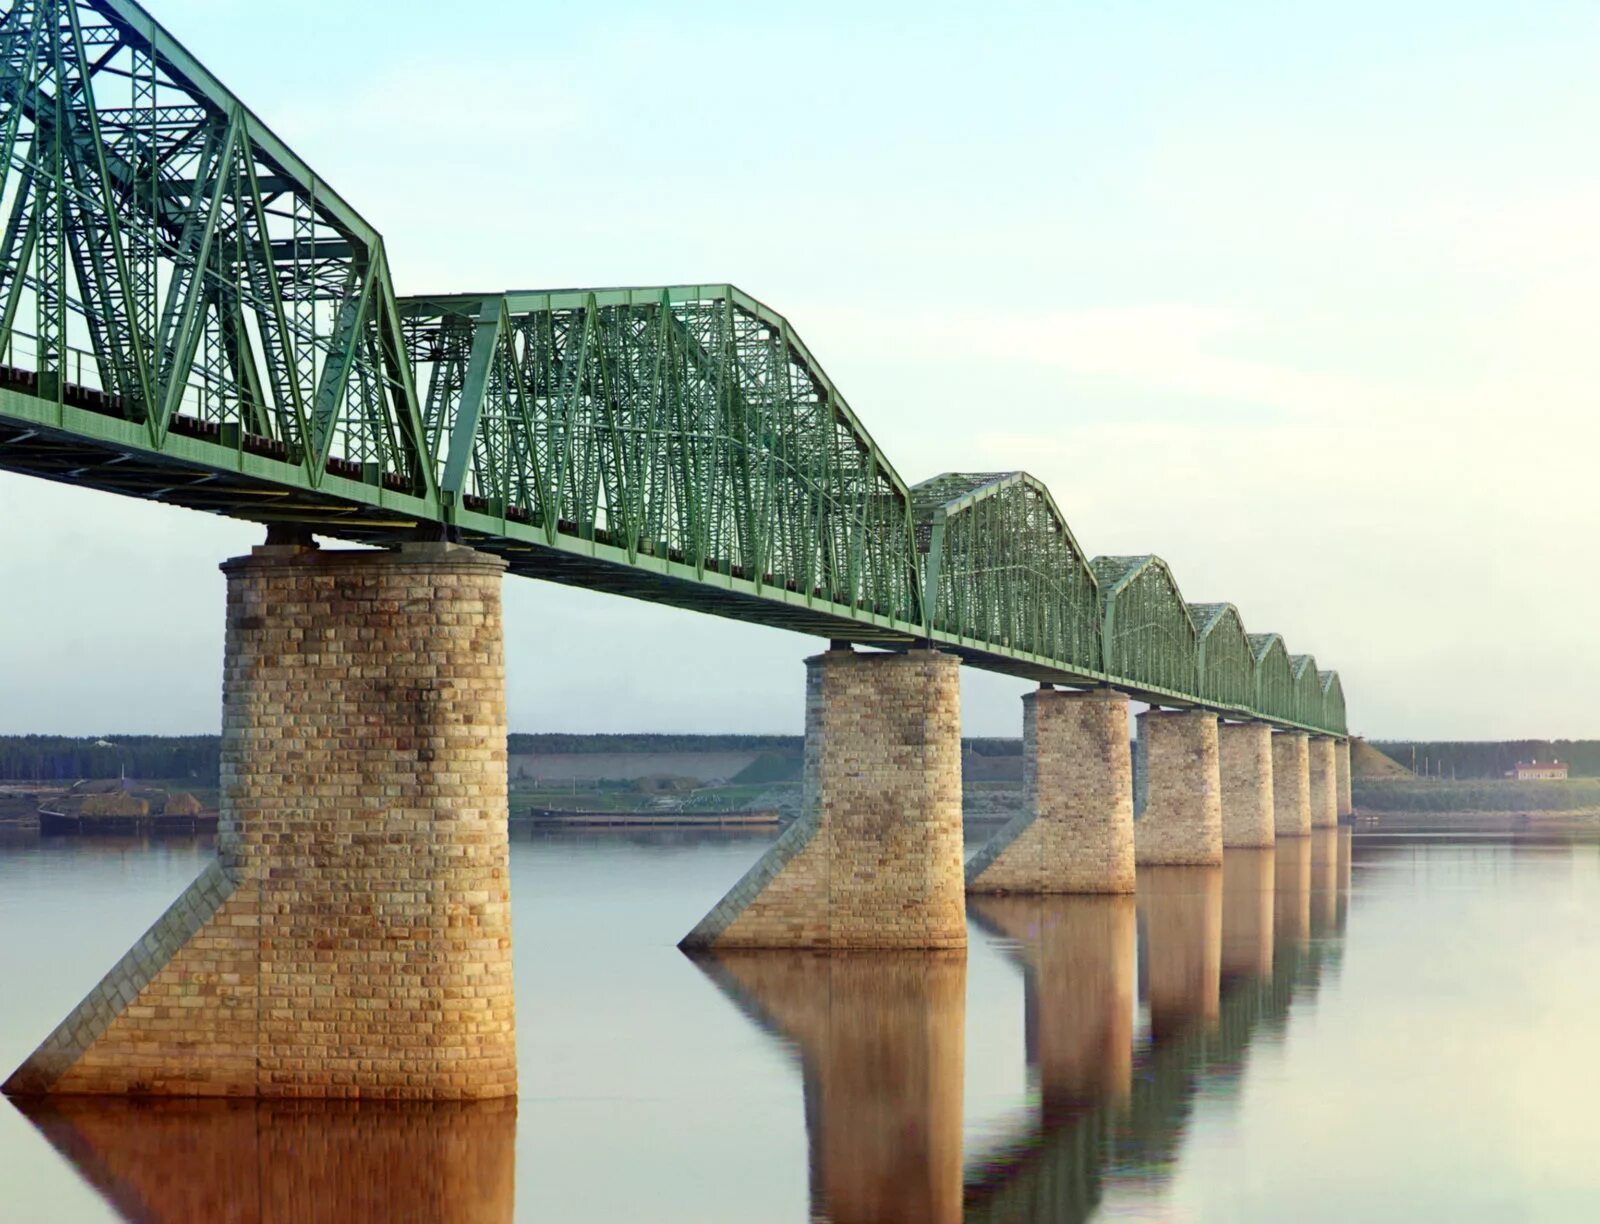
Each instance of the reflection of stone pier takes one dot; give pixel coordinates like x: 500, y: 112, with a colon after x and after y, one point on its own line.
x: 1324, y: 881
x: 1077, y: 955
x: 1291, y: 908
x: 1247, y: 913
x: 170, y: 1161
x: 881, y: 1038
x: 1191, y: 922
x: 1180, y: 939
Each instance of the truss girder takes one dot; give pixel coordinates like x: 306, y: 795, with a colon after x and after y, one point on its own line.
x: 189, y: 314
x: 1000, y: 565
x: 1147, y: 633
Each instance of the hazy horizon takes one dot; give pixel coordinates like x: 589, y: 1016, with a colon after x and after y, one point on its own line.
x: 1297, y: 300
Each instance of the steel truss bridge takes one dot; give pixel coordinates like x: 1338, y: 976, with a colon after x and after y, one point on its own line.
x: 189, y: 315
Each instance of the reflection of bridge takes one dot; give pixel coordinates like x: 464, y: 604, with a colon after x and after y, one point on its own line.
x: 1222, y: 953
x: 189, y: 316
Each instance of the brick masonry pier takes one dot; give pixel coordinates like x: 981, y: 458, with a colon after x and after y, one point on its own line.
x: 1291, y: 784
x: 1182, y: 818
x: 1244, y: 763
x: 1341, y: 762
x: 1324, y: 782
x: 353, y: 938
x: 875, y: 859
x: 1075, y: 831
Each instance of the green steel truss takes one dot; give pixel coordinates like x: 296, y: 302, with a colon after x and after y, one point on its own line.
x: 1275, y: 687
x: 1001, y: 567
x: 1226, y: 665
x: 189, y: 315
x: 1147, y: 633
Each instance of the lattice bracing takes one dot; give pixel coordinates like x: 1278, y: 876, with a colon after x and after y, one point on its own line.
x: 1307, y: 689
x: 1226, y: 664
x: 189, y: 315
x: 1000, y: 565
x: 1275, y: 687
x: 1147, y: 634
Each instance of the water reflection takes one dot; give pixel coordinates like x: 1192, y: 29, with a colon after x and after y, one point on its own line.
x: 880, y: 1036
x: 1077, y: 961
x: 1213, y: 974
x: 1249, y: 897
x: 270, y: 1161
x: 1180, y: 949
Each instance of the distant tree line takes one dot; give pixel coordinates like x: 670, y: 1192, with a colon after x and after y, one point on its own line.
x: 66, y: 758
x: 63, y: 758
x: 1490, y: 758
x: 566, y: 743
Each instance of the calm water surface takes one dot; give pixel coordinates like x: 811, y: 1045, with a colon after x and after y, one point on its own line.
x: 1394, y: 1029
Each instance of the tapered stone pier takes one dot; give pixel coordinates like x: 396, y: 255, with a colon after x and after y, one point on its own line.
x: 1341, y: 762
x: 353, y: 938
x: 1324, y: 783
x: 1182, y: 819
x: 1291, y: 784
x: 875, y: 860
x: 1075, y: 832
x: 1244, y: 764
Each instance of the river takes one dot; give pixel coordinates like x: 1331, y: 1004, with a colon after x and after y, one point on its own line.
x: 1378, y: 1028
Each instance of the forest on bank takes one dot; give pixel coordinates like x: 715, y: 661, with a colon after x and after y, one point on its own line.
x: 61, y: 758
x: 1463, y: 759
x: 197, y: 758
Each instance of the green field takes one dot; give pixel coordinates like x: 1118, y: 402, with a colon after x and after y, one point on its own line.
x: 1482, y: 795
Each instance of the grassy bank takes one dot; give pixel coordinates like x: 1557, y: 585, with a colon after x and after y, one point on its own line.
x: 1483, y: 795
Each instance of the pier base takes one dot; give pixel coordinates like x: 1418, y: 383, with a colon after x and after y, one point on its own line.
x: 875, y: 860
x: 1291, y: 784
x: 1244, y: 764
x: 353, y: 938
x: 1075, y: 832
x: 1182, y: 819
x: 1324, y: 783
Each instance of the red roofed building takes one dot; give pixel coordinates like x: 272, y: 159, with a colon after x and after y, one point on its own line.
x: 1545, y: 771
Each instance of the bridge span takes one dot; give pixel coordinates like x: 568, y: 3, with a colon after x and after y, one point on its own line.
x: 190, y: 315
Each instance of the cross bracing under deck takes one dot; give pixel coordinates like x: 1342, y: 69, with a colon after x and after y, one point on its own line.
x: 189, y: 314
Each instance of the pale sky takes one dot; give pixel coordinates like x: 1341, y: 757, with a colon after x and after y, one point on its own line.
x: 1300, y: 300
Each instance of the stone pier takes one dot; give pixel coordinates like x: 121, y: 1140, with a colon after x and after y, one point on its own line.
x: 1075, y: 832
x: 353, y: 938
x: 1182, y: 819
x: 1341, y: 762
x: 875, y: 860
x: 1324, y: 783
x: 1244, y: 764
x: 1291, y: 784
